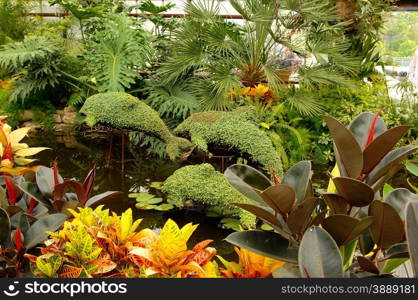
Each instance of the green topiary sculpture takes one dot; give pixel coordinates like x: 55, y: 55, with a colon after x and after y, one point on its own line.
x: 203, y: 184
x: 121, y: 110
x: 238, y: 130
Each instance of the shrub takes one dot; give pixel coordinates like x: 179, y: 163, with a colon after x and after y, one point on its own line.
x: 237, y: 130
x: 122, y: 110
x: 203, y: 184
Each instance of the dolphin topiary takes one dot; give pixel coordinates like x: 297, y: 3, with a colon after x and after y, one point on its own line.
x: 124, y: 111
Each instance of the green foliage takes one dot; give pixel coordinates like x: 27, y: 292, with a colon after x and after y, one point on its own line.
x: 345, y: 104
x: 203, y: 184
x: 14, y: 22
x: 122, y: 110
x: 172, y: 101
x: 366, y: 161
x: 206, y: 48
x: 401, y: 36
x: 115, y: 53
x: 34, y: 62
x: 237, y: 130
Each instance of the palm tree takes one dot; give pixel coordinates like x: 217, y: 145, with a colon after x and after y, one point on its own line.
x: 221, y: 57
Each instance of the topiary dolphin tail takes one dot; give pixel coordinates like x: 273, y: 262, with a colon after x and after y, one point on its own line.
x: 237, y: 129
x: 121, y: 110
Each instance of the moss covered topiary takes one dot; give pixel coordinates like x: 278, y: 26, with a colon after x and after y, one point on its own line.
x: 121, y: 110
x: 203, y: 184
x: 237, y: 130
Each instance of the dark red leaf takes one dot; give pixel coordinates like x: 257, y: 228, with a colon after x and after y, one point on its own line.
x: 32, y: 205
x: 18, y: 239
x: 11, y: 193
x: 89, y: 181
x: 55, y: 169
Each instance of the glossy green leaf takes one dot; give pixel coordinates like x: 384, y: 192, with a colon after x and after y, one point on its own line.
x: 355, y: 192
x: 349, y: 150
x: 386, y: 190
x: 412, y: 167
x: 360, y: 127
x: 391, y: 264
x: 345, y: 229
x: 319, y: 255
x: 381, y: 145
x: 298, y: 177
x: 45, y: 181
x: 412, y: 234
x: 36, y: 234
x: 388, y: 228
x: 5, y: 226
x: 245, y: 179
x: 393, y: 158
x: 348, y: 251
x: 399, y: 198
x: 265, y: 243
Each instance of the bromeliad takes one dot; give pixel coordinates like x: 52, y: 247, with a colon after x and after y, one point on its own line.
x: 14, y: 153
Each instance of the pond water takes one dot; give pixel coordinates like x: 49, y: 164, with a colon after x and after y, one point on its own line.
x: 133, y: 171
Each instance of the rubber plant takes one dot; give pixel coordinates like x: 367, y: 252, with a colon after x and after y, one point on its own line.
x: 320, y: 238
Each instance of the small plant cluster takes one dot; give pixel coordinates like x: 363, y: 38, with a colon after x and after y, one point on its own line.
x: 100, y: 244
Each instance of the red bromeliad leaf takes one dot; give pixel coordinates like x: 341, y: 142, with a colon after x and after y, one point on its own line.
x: 8, y: 153
x: 371, y: 131
x: 89, y: 181
x: 11, y: 193
x: 55, y: 169
x: 18, y: 239
x: 32, y: 205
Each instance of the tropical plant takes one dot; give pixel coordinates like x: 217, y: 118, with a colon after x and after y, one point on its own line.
x: 14, y: 154
x: 250, y: 265
x: 97, y: 244
x: 14, y: 20
x: 222, y: 57
x: 22, y: 228
x: 50, y: 189
x: 116, y: 52
x: 353, y: 216
x: 34, y: 64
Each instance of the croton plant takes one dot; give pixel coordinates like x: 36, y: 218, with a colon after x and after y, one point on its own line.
x: 31, y: 206
x: 349, y: 231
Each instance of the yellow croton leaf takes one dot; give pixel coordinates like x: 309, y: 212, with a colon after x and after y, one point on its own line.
x: 172, y: 242
x: 127, y: 225
x: 30, y: 151
x: 17, y: 135
x: 331, y: 186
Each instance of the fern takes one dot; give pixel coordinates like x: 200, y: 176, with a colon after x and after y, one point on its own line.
x: 172, y: 101
x: 34, y: 62
x: 116, y: 52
